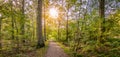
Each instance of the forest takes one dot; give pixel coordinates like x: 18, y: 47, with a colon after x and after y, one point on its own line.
x: 59, y: 28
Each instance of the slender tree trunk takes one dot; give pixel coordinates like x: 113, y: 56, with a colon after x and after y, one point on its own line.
x: 39, y: 25
x: 12, y: 21
x: 67, y: 23
x: 33, y: 31
x: 102, y: 16
x: 58, y: 29
x: 23, y: 20
x: 102, y: 9
x: 0, y: 33
x: 17, y: 38
x: 44, y: 23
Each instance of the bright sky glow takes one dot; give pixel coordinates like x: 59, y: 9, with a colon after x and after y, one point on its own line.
x: 53, y: 12
x: 5, y: 0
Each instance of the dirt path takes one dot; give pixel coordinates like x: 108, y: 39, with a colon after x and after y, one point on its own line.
x: 55, y: 51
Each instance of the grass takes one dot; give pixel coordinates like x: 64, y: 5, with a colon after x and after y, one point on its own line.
x: 25, y: 52
x: 41, y: 52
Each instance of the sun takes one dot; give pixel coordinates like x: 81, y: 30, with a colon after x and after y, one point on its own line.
x: 53, y: 12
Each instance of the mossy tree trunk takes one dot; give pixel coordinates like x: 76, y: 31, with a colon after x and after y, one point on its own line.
x: 0, y: 33
x: 40, y: 42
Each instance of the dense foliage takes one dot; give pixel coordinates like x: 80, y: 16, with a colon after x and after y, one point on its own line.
x: 78, y: 27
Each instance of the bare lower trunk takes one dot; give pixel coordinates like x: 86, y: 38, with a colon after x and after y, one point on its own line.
x: 67, y: 24
x: 39, y: 25
x: 44, y: 24
x: 0, y: 33
x: 22, y: 20
x: 102, y: 15
x: 12, y: 17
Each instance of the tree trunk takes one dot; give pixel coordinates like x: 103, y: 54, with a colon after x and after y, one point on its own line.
x: 102, y: 16
x: 12, y: 17
x: 58, y: 28
x: 22, y: 20
x: 67, y: 23
x: 39, y: 25
x: 102, y: 7
x: 0, y: 33
x: 17, y: 37
x: 44, y: 23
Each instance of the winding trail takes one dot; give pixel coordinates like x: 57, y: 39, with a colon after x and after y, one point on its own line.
x: 55, y: 51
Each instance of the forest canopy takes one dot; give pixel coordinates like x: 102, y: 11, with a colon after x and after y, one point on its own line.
x: 84, y: 28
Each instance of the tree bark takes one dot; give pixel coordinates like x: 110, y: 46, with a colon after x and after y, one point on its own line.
x: 22, y: 20
x: 44, y: 23
x: 67, y: 23
x: 58, y: 28
x: 0, y: 33
x: 12, y: 21
x: 102, y: 16
x: 39, y: 25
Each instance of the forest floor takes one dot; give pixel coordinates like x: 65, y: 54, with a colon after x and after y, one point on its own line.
x: 55, y: 51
